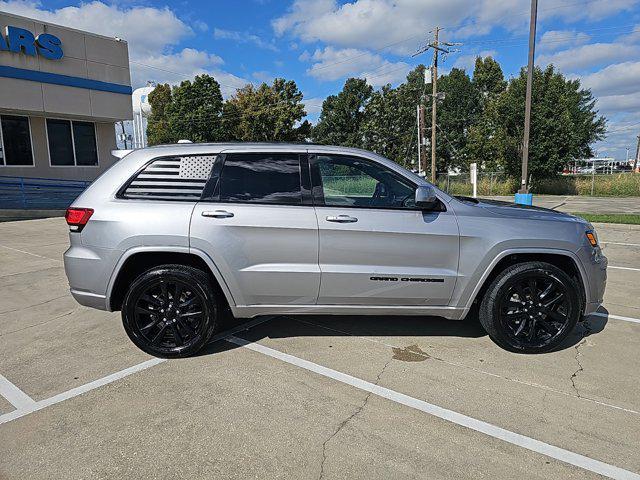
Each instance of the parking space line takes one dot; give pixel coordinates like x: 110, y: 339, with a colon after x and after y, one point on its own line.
x: 25, y: 407
x: 616, y: 317
x: 14, y: 395
x: 624, y: 268
x: 622, y: 244
x: 32, y: 254
x: 508, y: 436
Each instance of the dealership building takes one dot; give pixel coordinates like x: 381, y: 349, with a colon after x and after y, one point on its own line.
x: 61, y: 92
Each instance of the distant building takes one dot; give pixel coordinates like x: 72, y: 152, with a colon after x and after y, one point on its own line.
x: 61, y: 92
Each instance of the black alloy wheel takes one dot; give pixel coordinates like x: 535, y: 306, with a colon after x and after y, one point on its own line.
x: 530, y: 307
x: 170, y: 311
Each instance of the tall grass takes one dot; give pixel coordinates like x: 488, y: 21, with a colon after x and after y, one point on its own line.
x: 617, y: 185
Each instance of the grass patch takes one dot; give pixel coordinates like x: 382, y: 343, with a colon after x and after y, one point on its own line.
x: 623, y: 218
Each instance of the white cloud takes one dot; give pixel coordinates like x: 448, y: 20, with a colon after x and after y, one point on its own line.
x: 617, y: 79
x: 151, y: 34
x: 243, y: 37
x: 553, y: 40
x: 468, y: 62
x: 402, y: 24
x: 333, y: 63
x: 591, y: 55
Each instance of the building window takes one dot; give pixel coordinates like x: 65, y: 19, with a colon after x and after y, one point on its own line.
x: 72, y: 143
x: 15, y: 141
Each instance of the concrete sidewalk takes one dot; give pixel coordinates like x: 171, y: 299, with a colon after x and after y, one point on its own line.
x: 581, y: 204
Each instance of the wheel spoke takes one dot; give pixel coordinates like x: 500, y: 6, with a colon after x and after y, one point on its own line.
x: 185, y: 325
x: 178, y: 293
x: 523, y: 323
x: 177, y: 338
x: 189, y: 302
x: 190, y: 314
x: 547, y: 290
x: 553, y: 300
x: 151, y: 300
x: 557, y: 316
x: 548, y: 327
x: 533, y: 289
x: 150, y: 325
x: 165, y: 292
x: 159, y: 335
x: 146, y: 311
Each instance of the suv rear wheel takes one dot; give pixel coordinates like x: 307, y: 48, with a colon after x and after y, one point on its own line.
x: 530, y: 307
x: 170, y: 311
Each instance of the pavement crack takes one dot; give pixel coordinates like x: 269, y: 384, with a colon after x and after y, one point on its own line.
x: 580, y: 368
x: 347, y: 420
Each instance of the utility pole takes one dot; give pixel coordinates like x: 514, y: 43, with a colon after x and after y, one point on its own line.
x: 524, y: 188
x: 437, y: 47
x: 635, y: 160
x: 434, y: 104
x: 421, y: 129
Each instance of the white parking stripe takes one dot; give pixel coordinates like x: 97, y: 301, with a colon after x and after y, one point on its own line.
x: 624, y: 268
x: 622, y: 244
x: 508, y: 436
x: 14, y: 395
x: 616, y: 317
x: 26, y: 405
x: 32, y: 254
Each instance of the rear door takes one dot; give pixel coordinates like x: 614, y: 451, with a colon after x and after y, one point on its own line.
x: 258, y: 225
x: 376, y: 247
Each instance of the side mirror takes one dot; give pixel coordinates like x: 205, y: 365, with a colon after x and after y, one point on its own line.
x: 426, y: 197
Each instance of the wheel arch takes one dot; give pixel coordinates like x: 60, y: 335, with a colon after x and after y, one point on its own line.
x: 563, y: 259
x: 137, y: 260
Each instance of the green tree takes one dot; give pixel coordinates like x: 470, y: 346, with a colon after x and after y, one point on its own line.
x: 389, y: 125
x: 195, y: 110
x: 268, y: 113
x: 158, y: 130
x: 564, y: 122
x: 459, y: 110
x: 342, y: 115
x: 488, y: 77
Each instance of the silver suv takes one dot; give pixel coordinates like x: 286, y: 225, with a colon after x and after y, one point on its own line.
x: 176, y: 236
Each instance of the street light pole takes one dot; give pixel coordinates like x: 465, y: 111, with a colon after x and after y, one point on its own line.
x: 524, y: 188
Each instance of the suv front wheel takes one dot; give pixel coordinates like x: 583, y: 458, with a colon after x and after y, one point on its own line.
x: 170, y: 311
x: 530, y: 307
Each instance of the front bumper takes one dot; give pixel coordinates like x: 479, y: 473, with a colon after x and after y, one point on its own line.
x: 595, y: 269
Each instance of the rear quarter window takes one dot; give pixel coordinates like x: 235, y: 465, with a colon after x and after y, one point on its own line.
x: 171, y: 178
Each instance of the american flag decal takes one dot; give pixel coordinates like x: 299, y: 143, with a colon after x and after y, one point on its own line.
x: 173, y: 178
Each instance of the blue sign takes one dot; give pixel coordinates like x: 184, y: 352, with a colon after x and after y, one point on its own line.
x: 19, y: 40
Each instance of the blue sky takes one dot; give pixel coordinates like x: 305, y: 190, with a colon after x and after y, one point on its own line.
x: 320, y: 43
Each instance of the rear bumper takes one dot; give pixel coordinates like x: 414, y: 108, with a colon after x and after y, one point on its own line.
x: 88, y: 270
x: 89, y: 299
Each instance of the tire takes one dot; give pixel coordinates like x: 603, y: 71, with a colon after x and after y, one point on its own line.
x: 162, y: 326
x: 530, y: 307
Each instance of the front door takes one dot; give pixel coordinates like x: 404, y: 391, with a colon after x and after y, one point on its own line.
x: 259, y: 230
x: 376, y: 247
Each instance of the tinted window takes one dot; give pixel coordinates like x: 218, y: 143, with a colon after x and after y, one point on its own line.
x: 16, y: 138
x: 60, y: 142
x: 84, y: 139
x: 261, y: 178
x: 351, y: 182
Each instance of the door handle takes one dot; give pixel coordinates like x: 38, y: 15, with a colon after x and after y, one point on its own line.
x: 217, y: 214
x: 341, y: 219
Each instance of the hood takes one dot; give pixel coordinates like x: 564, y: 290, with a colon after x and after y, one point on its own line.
x: 514, y: 210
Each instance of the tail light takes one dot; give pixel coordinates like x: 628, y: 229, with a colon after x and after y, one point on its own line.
x: 77, y: 218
